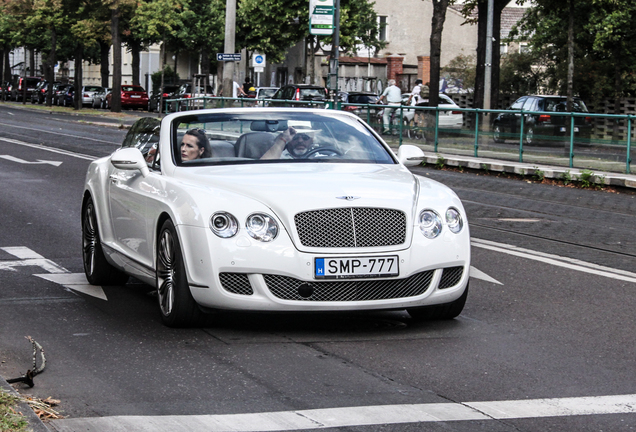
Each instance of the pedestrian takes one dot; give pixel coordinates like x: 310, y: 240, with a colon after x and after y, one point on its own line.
x: 393, y: 96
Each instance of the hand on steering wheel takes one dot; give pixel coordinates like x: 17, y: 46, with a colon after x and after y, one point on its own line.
x: 326, y: 152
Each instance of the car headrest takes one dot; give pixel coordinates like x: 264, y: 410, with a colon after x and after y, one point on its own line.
x: 269, y: 125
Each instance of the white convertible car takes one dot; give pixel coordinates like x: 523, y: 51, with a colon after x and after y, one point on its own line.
x: 273, y: 210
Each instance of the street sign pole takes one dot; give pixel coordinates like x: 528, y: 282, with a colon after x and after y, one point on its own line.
x: 230, y: 32
x: 335, y: 54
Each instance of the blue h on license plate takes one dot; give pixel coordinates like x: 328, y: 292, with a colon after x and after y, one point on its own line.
x: 356, y: 267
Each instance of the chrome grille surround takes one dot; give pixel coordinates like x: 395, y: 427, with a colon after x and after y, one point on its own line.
x: 351, y: 227
x: 286, y: 288
x: 236, y: 283
x: 450, y: 277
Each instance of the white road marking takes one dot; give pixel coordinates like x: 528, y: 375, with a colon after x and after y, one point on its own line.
x: 356, y: 416
x: 49, y: 149
x: 556, y: 260
x: 76, y: 282
x: 29, y: 258
x: 57, y: 133
x: 518, y: 220
x: 478, y: 274
x: 22, y: 161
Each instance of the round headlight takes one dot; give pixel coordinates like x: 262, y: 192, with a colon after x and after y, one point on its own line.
x: 223, y: 224
x: 454, y: 220
x: 261, y: 227
x: 430, y: 224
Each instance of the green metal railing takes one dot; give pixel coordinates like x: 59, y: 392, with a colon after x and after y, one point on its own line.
x: 475, y: 136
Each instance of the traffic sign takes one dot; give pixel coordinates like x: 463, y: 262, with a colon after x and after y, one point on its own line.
x: 258, y: 60
x: 321, y: 17
x: 228, y: 56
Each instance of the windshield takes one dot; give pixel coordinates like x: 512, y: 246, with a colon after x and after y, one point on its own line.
x: 266, y: 93
x: 274, y: 137
x: 132, y: 88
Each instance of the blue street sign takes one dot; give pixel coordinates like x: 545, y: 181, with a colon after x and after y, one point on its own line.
x: 228, y: 57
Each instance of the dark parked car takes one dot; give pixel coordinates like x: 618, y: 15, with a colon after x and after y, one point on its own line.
x: 17, y: 89
x: 362, y: 98
x: 543, y: 126
x: 5, y: 90
x: 299, y: 92
x: 132, y: 96
x: 39, y: 95
x: 58, y: 90
x: 185, y: 92
x: 65, y: 97
x: 154, y: 100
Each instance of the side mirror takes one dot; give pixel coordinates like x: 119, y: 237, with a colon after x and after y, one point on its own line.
x: 129, y: 158
x: 410, y: 155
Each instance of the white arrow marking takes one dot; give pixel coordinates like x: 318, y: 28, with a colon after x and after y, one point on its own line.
x: 38, y: 162
x: 478, y: 274
x: 57, y: 274
x: 76, y: 282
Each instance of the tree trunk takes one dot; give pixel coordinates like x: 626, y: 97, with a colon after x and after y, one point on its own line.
x: 50, y: 76
x: 104, y: 62
x: 437, y: 26
x: 7, y: 66
x: 480, y: 72
x: 312, y: 61
x: 115, y: 100
x: 205, y: 68
x: 496, y: 53
x: 570, y: 83
x: 32, y: 71
x: 135, y: 48
x: 77, y: 82
x: 618, y: 90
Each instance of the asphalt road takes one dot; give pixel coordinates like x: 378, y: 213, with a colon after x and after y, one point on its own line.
x: 553, y: 322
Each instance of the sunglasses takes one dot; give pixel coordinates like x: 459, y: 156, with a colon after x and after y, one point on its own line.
x: 301, y: 136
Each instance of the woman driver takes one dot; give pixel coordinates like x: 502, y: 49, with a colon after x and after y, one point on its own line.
x: 195, y: 145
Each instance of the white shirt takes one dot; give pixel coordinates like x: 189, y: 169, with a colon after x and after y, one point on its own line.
x: 235, y: 87
x: 416, y: 93
x: 393, y: 94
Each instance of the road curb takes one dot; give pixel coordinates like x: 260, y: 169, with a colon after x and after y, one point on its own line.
x: 35, y: 424
x: 547, y: 171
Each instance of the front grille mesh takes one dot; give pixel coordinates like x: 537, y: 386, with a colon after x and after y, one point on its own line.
x: 351, y: 227
x: 236, y: 283
x: 451, y: 277
x: 286, y: 288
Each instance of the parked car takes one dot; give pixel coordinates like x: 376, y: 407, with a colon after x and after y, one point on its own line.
x: 155, y: 99
x: 5, y: 90
x: 265, y: 92
x: 39, y: 95
x: 543, y: 126
x: 342, y: 226
x: 299, y: 92
x: 99, y: 98
x: 57, y: 93
x: 66, y: 96
x: 132, y: 96
x: 17, y: 89
x: 88, y: 94
x: 185, y: 92
x: 448, y: 119
x: 362, y: 98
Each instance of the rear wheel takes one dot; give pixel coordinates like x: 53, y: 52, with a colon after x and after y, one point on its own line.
x: 177, y: 306
x: 446, y: 311
x: 530, y: 135
x: 98, y: 270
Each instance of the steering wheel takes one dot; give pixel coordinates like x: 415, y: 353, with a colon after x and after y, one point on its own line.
x: 326, y: 151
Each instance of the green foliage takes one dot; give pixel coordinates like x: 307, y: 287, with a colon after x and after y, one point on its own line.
x: 604, y: 56
x: 439, y: 164
x: 539, y: 175
x: 585, y: 178
x: 462, y: 68
x: 566, y: 177
x: 170, y: 77
x: 9, y: 420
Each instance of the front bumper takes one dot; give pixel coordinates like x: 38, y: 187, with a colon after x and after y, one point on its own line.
x: 243, y: 274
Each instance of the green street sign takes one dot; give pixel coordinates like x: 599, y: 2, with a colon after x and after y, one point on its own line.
x: 321, y: 13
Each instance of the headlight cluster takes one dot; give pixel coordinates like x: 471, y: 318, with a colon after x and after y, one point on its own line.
x: 259, y: 226
x: 431, y: 222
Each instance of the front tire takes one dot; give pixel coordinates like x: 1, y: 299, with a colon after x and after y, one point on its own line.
x: 98, y: 271
x: 177, y: 306
x: 446, y: 311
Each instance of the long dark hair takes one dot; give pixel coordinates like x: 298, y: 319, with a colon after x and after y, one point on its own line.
x: 202, y: 141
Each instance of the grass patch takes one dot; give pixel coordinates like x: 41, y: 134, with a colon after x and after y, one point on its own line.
x: 10, y: 419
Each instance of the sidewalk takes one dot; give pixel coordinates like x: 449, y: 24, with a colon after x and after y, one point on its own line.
x: 548, y: 171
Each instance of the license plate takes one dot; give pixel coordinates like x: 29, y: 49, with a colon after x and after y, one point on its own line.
x: 576, y: 129
x: 356, y: 267
x: 135, y: 96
